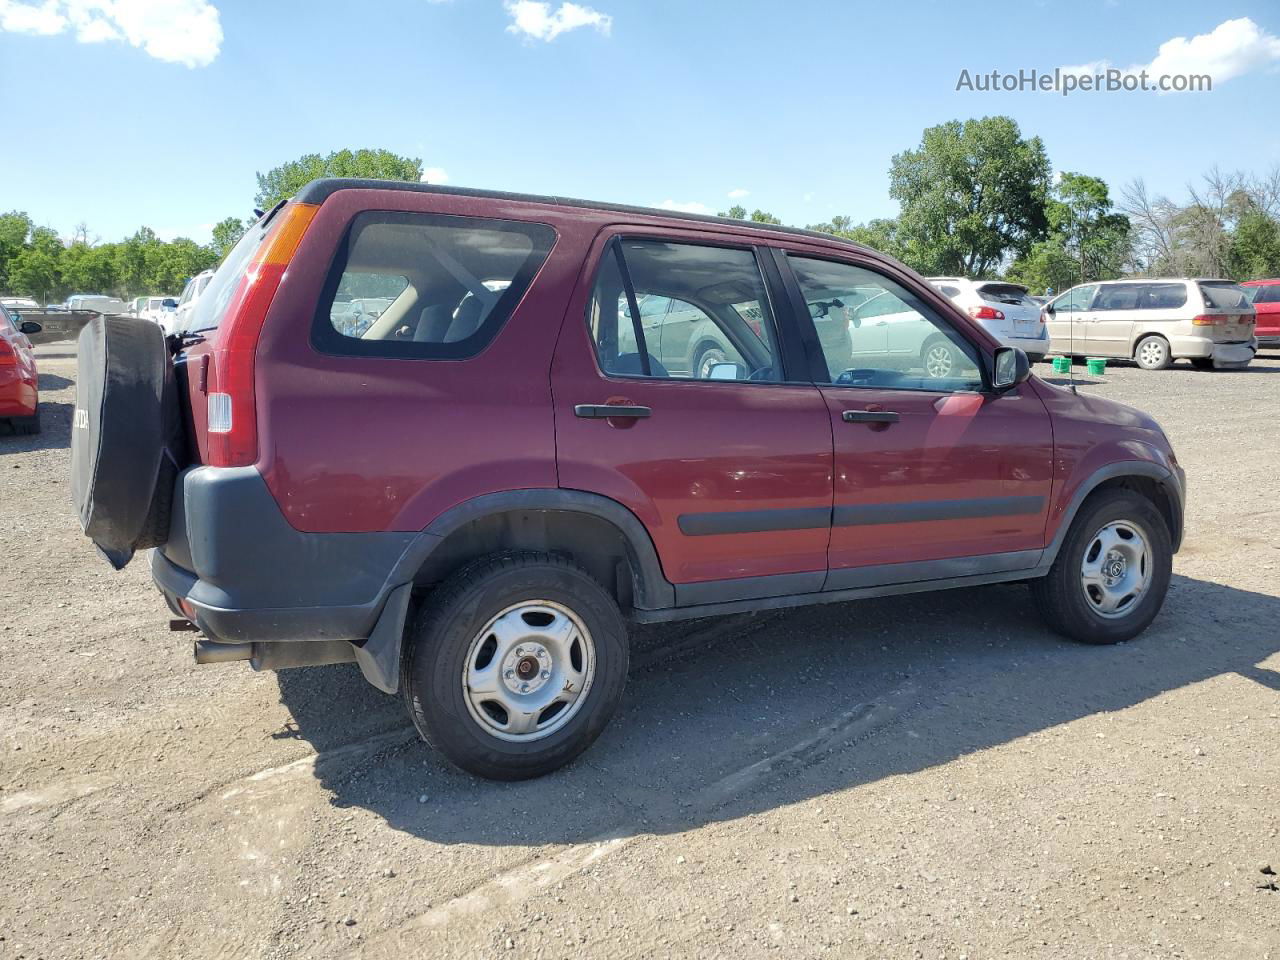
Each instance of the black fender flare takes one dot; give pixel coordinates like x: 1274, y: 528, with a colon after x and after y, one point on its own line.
x: 1146, y: 469
x: 379, y: 655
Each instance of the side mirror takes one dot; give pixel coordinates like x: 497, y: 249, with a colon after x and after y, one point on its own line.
x: 725, y: 371
x: 29, y: 327
x: 169, y: 303
x: 1010, y: 369
x: 1049, y: 308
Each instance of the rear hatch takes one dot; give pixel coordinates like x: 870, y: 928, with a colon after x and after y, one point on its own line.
x: 1228, y: 315
x: 1021, y: 313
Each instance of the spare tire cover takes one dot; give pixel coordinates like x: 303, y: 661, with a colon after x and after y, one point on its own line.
x: 125, y: 436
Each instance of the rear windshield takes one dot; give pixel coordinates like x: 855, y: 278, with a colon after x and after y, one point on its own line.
x: 1224, y: 295
x: 208, y: 311
x: 1005, y: 293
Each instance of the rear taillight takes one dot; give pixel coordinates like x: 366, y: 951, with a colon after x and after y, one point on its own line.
x: 1205, y: 320
x: 233, y: 421
x: 986, y: 313
x: 8, y: 356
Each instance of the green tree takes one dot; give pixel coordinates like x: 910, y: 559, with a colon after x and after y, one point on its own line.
x: 14, y: 228
x: 880, y: 234
x: 1254, y: 252
x: 226, y: 234
x: 739, y: 212
x: 1047, y: 266
x: 284, y: 181
x: 1087, y: 239
x: 36, y: 271
x: 972, y: 194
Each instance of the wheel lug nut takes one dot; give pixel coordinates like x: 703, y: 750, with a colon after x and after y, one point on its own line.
x: 524, y: 687
x: 545, y: 674
x: 519, y: 651
x: 510, y: 674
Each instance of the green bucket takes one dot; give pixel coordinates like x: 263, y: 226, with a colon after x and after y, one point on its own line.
x: 1097, y: 366
x: 1061, y: 364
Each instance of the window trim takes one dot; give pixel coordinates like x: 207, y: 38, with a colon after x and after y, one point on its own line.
x: 327, y: 340
x: 819, y: 371
x: 787, y: 357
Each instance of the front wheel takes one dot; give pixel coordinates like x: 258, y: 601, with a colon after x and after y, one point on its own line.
x: 1112, y: 572
x: 517, y: 663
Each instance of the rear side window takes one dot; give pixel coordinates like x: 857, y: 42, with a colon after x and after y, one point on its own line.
x: 426, y: 286
x: 679, y: 311
x: 1118, y: 296
x: 1267, y: 293
x: 1162, y: 296
x: 1224, y: 296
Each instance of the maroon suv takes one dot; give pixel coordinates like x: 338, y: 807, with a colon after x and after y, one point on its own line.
x: 545, y: 418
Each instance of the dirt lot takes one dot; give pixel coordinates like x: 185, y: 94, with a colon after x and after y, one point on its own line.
x: 929, y: 776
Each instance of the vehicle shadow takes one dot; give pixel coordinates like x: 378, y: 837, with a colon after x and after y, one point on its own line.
x: 55, y: 430
x: 816, y: 700
x: 51, y: 381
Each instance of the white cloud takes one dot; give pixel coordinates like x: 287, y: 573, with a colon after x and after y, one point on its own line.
x: 435, y: 175
x: 691, y: 207
x: 535, y: 19
x: 175, y: 31
x: 738, y: 193
x: 1232, y: 48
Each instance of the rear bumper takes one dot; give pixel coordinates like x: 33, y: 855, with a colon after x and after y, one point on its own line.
x: 1269, y: 339
x: 1229, y: 355
x: 1031, y: 346
x: 241, y: 573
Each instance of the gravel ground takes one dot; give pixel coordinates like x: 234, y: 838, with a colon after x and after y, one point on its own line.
x: 927, y: 776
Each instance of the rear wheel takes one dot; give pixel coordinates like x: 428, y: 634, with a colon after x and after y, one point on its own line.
x: 1111, y: 575
x: 940, y: 358
x: 516, y: 665
x: 26, y: 425
x: 1152, y: 353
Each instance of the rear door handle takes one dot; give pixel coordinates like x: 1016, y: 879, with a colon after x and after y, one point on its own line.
x: 870, y: 416
x: 606, y: 411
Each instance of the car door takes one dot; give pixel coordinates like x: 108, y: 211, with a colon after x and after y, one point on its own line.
x: 935, y: 476
x: 1110, y: 318
x: 729, y: 472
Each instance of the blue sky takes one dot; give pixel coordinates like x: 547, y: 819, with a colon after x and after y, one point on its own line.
x: 802, y: 104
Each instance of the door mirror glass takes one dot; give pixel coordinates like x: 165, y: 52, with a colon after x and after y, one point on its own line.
x: 725, y: 371
x: 1050, y: 309
x: 1011, y: 368
x: 29, y: 327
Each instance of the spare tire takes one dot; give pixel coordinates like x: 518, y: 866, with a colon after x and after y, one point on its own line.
x: 126, y: 436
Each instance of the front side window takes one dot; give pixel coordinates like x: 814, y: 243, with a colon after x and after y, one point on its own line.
x: 682, y: 311
x: 880, y: 334
x: 1077, y: 298
x: 426, y: 286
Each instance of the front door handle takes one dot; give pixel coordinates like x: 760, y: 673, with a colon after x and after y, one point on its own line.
x: 869, y: 416
x: 607, y: 411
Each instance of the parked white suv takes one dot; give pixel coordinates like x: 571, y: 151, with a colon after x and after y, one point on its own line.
x: 1154, y: 322
x: 1004, y: 310
x: 187, y: 302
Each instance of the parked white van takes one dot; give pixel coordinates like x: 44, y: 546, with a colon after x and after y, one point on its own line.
x: 186, y: 303
x: 1155, y: 322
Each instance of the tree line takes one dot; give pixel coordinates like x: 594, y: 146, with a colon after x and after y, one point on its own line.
x: 975, y: 198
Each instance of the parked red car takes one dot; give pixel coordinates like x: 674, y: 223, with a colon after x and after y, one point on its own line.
x: 472, y: 492
x: 19, y: 388
x: 1265, y: 295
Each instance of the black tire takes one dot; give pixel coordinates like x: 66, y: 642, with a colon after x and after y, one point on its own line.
x: 1060, y: 595
x: 940, y: 358
x: 26, y: 425
x: 126, y: 436
x: 452, y: 616
x: 700, y: 357
x: 1202, y: 363
x: 1152, y: 353
x: 1034, y: 358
